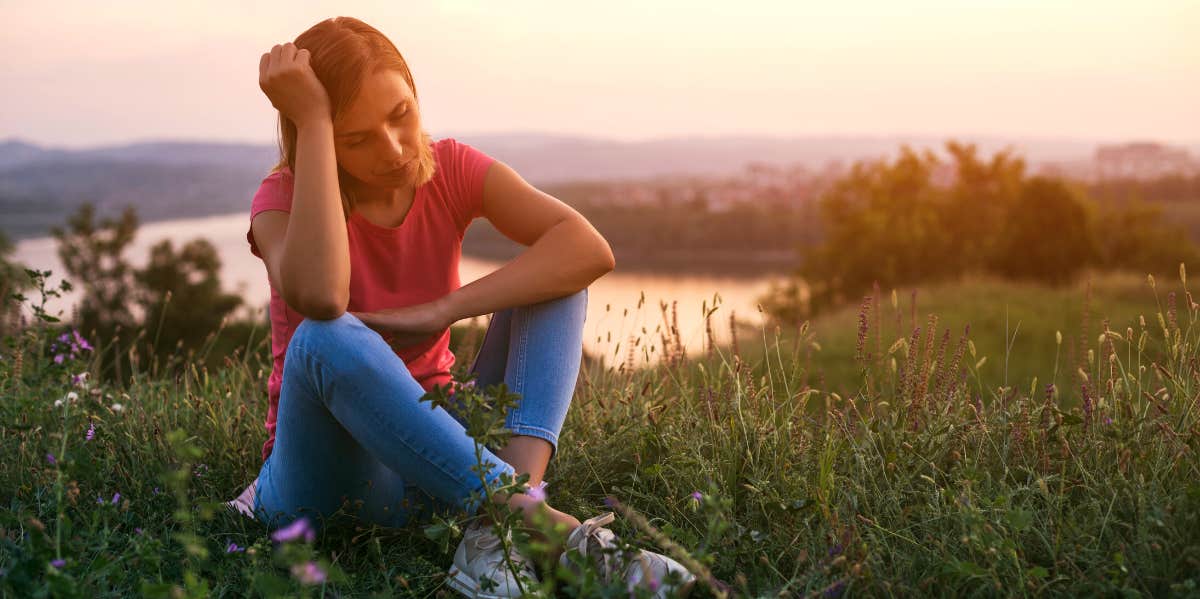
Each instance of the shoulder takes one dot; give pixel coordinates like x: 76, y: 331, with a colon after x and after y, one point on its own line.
x: 457, y: 155
x: 274, y: 191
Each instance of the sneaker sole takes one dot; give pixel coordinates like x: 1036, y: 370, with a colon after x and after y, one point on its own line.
x: 466, y: 586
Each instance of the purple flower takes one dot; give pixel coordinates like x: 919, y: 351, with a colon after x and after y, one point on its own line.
x: 1108, y: 420
x: 610, y: 501
x: 116, y: 498
x: 156, y: 490
x: 536, y: 493
x: 99, y: 500
x: 309, y: 573
x: 50, y: 458
x: 91, y: 431
x: 835, y: 550
x: 63, y: 338
x: 697, y: 496
x: 58, y: 358
x: 81, y: 341
x: 835, y: 590
x: 233, y: 547
x: 138, y: 530
x: 58, y: 563
x: 295, y: 530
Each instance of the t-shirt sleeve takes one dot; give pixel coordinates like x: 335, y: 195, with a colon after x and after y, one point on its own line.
x: 274, y: 193
x: 467, y: 170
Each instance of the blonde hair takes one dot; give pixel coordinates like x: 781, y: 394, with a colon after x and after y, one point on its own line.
x: 343, y: 52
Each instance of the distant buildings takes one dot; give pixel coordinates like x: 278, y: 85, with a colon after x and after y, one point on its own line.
x: 1138, y: 160
x: 1142, y: 160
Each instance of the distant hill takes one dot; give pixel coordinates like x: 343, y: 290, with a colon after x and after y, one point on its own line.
x: 39, y: 186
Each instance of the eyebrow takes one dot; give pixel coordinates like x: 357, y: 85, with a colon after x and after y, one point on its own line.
x: 350, y: 133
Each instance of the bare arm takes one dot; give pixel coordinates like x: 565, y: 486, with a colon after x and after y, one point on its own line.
x: 565, y: 255
x: 307, y: 252
x: 314, y: 270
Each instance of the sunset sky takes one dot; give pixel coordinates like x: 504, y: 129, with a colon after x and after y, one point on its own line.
x: 79, y: 74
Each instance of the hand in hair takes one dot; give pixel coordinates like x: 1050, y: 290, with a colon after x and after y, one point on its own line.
x: 285, y: 76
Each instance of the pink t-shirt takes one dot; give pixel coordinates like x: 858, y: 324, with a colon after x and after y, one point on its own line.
x: 390, y: 267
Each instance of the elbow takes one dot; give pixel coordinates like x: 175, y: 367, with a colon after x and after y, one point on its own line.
x: 321, y: 306
x: 327, y: 311
x: 608, y: 262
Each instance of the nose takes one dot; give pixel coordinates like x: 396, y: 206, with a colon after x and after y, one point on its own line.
x: 396, y: 153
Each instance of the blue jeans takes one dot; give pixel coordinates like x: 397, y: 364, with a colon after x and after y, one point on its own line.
x: 351, y: 425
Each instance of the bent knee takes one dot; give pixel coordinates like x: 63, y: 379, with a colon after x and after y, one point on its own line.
x: 310, y: 327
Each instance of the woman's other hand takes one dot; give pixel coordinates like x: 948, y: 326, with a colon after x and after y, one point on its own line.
x: 288, y: 80
x: 408, y: 325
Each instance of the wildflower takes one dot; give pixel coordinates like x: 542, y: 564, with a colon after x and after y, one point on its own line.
x: 610, y: 501
x: 536, y: 493
x: 138, y: 530
x: 116, y: 497
x: 99, y: 500
x: 295, y: 530
x: 233, y: 548
x: 835, y: 550
x: 1108, y: 420
x: 80, y: 380
x: 91, y: 431
x: 58, y: 358
x: 58, y: 563
x: 835, y: 590
x: 309, y: 573
x: 156, y: 490
x: 81, y: 342
x: 652, y: 583
x: 697, y: 496
x: 50, y: 458
x: 117, y: 407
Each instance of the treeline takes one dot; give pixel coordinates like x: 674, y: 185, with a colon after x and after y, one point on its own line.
x: 904, y: 222
x: 156, y: 318
x: 1168, y: 188
x: 676, y: 235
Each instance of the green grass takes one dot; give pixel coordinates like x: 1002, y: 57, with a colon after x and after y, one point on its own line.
x: 1030, y: 314
x: 864, y: 486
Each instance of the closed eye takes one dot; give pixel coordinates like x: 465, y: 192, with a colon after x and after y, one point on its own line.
x: 398, y: 117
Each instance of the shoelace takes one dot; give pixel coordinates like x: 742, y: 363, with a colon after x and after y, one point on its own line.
x: 488, y: 541
x: 595, y: 536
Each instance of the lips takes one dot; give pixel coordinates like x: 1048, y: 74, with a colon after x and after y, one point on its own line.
x: 398, y: 171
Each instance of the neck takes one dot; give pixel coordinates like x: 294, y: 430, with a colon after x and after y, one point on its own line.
x: 384, y: 197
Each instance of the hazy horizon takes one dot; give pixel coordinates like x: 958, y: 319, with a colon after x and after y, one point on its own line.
x: 629, y: 71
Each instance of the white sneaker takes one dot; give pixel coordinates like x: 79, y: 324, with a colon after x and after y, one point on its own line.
x: 479, y: 556
x: 641, y: 569
x: 244, y: 503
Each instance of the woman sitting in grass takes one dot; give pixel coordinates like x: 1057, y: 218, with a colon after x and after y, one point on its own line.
x: 360, y: 227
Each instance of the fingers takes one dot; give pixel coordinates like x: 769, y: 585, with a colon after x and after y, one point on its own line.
x: 263, y: 61
x: 288, y: 52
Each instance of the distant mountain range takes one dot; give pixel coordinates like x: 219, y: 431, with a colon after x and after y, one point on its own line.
x: 40, y: 186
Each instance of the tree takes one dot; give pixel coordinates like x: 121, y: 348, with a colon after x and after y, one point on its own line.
x: 12, y: 280
x: 180, y: 295
x: 92, y: 257
x: 1046, y: 235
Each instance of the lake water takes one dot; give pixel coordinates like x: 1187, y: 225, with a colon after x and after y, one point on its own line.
x: 614, y: 319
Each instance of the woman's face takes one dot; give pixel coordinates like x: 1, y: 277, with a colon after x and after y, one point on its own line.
x: 381, y: 131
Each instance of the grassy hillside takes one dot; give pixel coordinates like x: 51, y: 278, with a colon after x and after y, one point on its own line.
x: 876, y: 484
